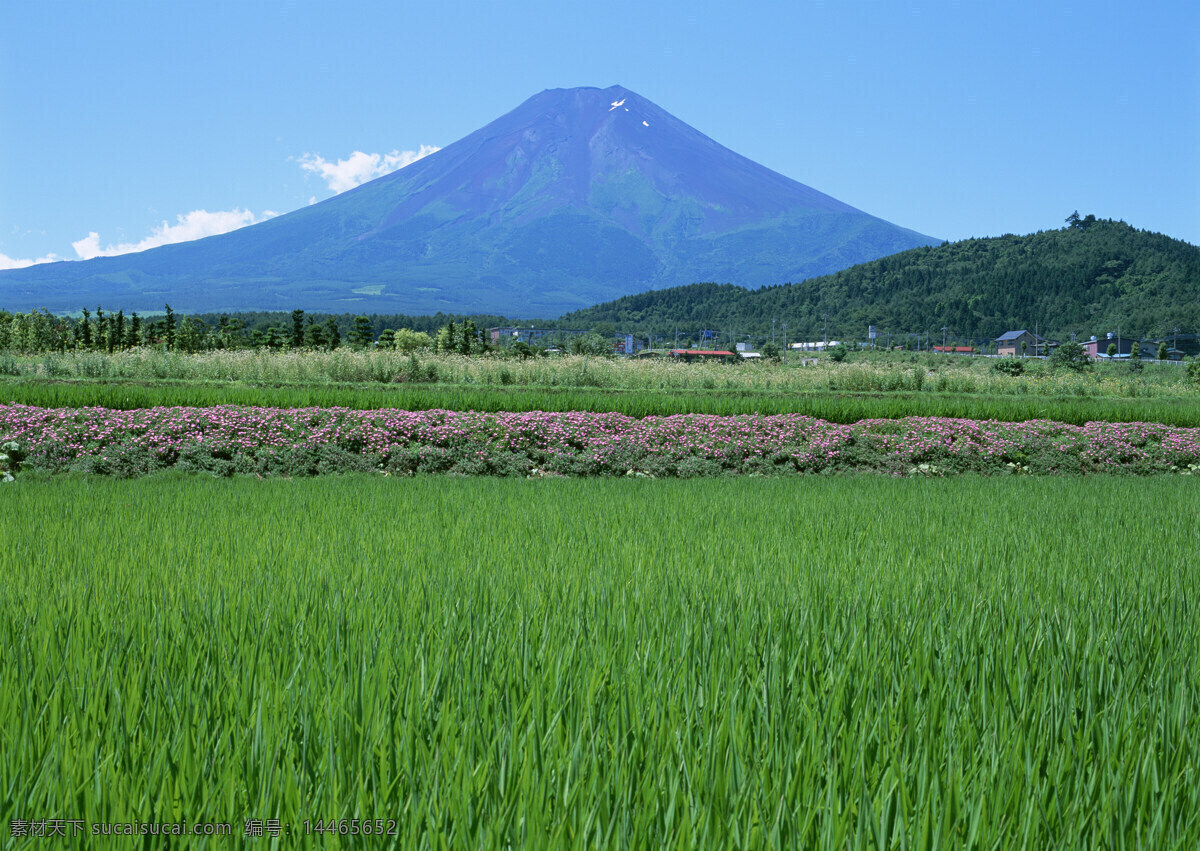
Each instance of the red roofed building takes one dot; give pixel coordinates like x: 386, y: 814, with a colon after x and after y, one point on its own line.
x: 701, y: 354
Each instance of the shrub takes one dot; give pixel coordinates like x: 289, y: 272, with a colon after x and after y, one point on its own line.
x: 1009, y: 366
x: 1070, y: 356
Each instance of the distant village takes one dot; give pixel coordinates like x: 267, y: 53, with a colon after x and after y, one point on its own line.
x: 1109, y: 346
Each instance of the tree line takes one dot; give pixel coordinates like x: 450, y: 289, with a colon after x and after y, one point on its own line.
x: 112, y: 331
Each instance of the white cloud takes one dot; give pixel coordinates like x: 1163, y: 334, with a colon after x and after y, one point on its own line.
x: 359, y: 167
x: 7, y: 262
x: 194, y: 225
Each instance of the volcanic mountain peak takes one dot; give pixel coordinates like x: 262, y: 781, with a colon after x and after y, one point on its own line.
x: 576, y: 196
x: 609, y: 151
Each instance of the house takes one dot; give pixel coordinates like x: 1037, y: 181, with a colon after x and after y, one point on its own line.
x: 530, y: 336
x: 1122, y: 347
x: 701, y: 354
x: 622, y: 344
x: 1185, y: 344
x: 627, y: 344
x: 818, y: 346
x: 1009, y: 343
x: 955, y: 350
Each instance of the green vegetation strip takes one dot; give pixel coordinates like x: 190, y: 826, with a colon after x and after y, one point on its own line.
x: 866, y: 662
x: 838, y: 407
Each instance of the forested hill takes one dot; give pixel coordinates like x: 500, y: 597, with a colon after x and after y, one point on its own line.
x: 1086, y: 278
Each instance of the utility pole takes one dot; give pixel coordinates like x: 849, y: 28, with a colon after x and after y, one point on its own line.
x: 825, y: 316
x: 785, y: 348
x: 943, y: 339
x: 772, y: 330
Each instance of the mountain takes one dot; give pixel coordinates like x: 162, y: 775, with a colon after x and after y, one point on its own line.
x: 1088, y: 278
x: 576, y: 196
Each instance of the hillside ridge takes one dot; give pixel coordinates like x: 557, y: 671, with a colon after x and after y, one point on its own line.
x: 1087, y: 278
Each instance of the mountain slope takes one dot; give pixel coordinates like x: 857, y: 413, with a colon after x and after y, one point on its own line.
x: 1086, y: 279
x: 576, y: 196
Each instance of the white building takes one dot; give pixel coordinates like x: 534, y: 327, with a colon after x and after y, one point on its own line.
x: 818, y: 346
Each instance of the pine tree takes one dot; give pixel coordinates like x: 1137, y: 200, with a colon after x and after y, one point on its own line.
x: 85, y: 330
x: 469, y: 340
x: 297, y: 329
x: 361, y: 333
x: 314, y: 334
x: 170, y: 327
x: 101, y: 329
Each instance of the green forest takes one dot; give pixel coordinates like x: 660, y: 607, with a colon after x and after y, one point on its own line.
x: 1086, y: 278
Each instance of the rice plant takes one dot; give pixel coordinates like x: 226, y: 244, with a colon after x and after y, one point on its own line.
x: 839, y: 407
x: 756, y: 663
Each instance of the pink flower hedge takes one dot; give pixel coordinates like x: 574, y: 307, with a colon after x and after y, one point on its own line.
x: 307, y: 441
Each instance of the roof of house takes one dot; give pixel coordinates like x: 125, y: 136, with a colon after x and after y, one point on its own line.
x: 1015, y: 335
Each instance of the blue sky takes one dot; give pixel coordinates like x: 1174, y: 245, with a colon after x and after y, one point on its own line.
x: 127, y: 124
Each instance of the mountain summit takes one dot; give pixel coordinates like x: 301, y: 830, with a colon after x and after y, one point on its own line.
x: 575, y: 197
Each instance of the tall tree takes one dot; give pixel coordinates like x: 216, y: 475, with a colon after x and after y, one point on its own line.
x: 101, y: 329
x: 361, y: 333
x: 85, y: 329
x: 297, y: 329
x: 314, y: 334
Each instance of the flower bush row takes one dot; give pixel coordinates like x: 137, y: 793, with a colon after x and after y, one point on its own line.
x: 270, y: 441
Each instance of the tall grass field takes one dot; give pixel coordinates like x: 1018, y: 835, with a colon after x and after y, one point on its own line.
x: 861, y: 373
x: 967, y: 663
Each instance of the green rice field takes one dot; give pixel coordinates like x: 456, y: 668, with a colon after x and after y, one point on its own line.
x: 839, y: 406
x: 824, y: 663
